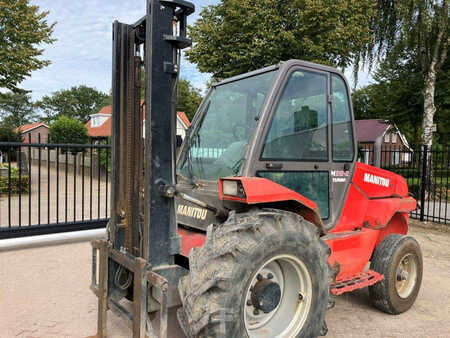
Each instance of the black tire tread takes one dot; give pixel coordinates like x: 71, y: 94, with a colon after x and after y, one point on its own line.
x: 228, y: 245
x: 382, y: 262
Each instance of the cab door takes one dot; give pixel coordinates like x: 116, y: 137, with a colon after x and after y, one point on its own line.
x: 295, y: 147
x: 298, y: 149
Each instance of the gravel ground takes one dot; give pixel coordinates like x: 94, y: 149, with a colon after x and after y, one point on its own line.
x: 44, y: 292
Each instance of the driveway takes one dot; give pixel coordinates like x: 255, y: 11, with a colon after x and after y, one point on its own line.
x: 44, y: 292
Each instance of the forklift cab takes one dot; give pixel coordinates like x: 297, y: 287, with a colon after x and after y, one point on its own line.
x: 291, y: 123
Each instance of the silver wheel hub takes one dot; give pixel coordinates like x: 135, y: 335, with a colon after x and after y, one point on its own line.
x: 406, y: 276
x: 278, y: 298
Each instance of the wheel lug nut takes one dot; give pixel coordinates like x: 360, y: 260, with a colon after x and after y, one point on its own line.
x: 256, y: 312
x: 249, y: 303
x: 269, y: 276
x: 259, y: 276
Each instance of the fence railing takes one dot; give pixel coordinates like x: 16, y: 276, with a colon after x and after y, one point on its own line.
x: 426, y: 172
x: 48, y: 188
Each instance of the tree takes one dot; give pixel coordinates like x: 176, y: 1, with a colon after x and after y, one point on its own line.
x: 416, y: 25
x: 16, y: 109
x: 396, y: 96
x: 76, y: 102
x: 7, y: 134
x: 238, y: 36
x: 188, y: 98
x: 22, y: 29
x: 68, y: 130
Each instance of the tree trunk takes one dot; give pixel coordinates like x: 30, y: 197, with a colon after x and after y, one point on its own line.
x: 429, y: 109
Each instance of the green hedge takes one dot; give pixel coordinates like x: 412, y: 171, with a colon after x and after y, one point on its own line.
x: 17, y: 186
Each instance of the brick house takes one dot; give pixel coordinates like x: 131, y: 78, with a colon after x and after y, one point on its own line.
x: 33, y: 131
x: 99, y: 125
x: 381, y: 143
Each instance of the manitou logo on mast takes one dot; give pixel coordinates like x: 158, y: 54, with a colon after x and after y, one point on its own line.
x: 369, y: 178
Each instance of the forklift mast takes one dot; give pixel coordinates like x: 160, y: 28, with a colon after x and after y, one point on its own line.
x: 142, y: 235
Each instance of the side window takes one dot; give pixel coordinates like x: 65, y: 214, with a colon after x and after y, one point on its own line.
x: 312, y: 185
x: 342, y: 124
x: 298, y: 129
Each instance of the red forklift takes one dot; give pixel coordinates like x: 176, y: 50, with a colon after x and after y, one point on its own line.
x: 265, y: 216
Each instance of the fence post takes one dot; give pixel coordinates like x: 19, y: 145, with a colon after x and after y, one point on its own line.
x: 423, y: 182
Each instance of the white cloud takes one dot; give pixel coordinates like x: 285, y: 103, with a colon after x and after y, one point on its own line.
x: 82, y: 52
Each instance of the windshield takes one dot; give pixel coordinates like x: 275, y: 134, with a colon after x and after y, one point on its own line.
x: 216, y: 145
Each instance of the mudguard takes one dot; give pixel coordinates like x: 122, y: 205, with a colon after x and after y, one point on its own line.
x: 260, y: 190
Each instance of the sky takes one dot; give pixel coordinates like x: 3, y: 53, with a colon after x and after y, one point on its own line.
x: 82, y: 53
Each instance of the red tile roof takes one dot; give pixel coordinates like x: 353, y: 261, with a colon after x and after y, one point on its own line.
x: 370, y: 130
x: 184, y: 118
x: 106, y: 110
x: 28, y: 127
x: 104, y: 130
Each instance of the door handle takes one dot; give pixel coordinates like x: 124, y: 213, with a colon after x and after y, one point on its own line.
x: 274, y: 166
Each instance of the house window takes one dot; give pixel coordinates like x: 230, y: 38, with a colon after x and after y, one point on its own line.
x: 95, y: 122
x: 394, y: 138
x: 386, y: 138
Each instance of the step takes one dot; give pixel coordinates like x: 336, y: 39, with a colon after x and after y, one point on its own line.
x: 359, y: 281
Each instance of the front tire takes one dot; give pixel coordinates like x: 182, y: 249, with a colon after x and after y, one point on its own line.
x: 399, y: 259
x: 263, y: 273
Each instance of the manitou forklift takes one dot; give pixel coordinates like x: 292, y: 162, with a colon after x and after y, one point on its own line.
x: 264, y: 217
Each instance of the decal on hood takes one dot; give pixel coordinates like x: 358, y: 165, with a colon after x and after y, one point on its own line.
x: 369, y: 178
x: 194, y: 212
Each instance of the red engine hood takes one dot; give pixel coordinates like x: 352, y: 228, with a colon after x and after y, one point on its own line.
x: 375, y: 182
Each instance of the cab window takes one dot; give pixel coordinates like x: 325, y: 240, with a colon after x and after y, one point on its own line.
x: 298, y: 129
x: 342, y: 131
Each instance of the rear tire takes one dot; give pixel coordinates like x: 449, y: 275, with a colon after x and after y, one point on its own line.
x: 399, y: 259
x: 280, y: 250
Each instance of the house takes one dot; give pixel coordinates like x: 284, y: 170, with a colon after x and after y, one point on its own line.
x: 381, y: 143
x: 33, y: 132
x: 99, y: 125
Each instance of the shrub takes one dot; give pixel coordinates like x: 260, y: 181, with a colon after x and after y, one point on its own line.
x: 16, y: 184
x: 68, y: 130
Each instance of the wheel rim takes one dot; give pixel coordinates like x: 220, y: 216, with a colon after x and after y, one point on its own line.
x: 406, y: 275
x: 289, y: 315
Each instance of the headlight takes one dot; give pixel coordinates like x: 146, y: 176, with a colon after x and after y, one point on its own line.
x: 230, y: 188
x: 233, y: 188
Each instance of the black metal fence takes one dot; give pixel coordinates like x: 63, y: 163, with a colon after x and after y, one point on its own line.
x: 49, y: 188
x: 426, y: 171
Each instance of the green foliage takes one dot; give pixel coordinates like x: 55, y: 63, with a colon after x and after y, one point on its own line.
x: 76, y: 102
x: 17, y: 185
x: 16, y: 109
x: 105, y: 156
x: 237, y: 36
x: 22, y: 29
x: 188, y: 98
x: 7, y: 134
x: 397, y: 96
x: 420, y: 26
x: 68, y: 130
